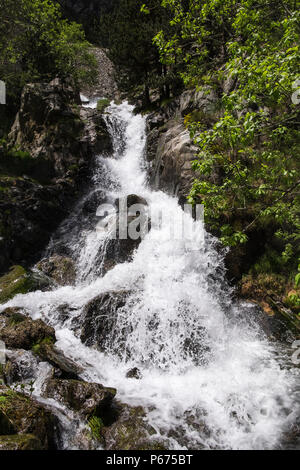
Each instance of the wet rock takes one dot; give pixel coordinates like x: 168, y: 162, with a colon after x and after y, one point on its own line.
x: 89, y: 399
x: 134, y: 373
x: 120, y: 249
x: 26, y: 416
x: 20, y: 442
x: 21, y: 332
x: 20, y: 281
x: 100, y: 317
x: 21, y: 366
x: 59, y: 268
x: 65, y: 367
x: 131, y: 431
x: 93, y: 201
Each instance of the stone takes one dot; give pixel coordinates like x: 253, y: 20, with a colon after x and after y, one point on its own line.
x: 20, y: 281
x: 21, y: 366
x: 59, y: 268
x: 89, y: 399
x: 134, y: 373
x: 131, y: 431
x: 65, y: 367
x: 100, y: 317
x: 26, y: 416
x: 19, y: 331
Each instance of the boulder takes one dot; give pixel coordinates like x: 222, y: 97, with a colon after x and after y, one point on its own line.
x: 21, y: 332
x: 59, y: 268
x: 134, y: 373
x: 99, y: 320
x: 131, y: 431
x: 26, y: 416
x: 65, y: 368
x: 89, y: 399
x: 20, y: 281
x: 21, y: 366
x: 117, y: 249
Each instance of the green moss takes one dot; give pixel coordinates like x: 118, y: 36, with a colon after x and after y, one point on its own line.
x: 96, y: 425
x: 102, y: 104
x: 36, y: 347
x: 17, y: 281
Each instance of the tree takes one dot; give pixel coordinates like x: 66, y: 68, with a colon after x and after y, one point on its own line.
x: 128, y: 33
x: 36, y: 43
x: 254, y: 144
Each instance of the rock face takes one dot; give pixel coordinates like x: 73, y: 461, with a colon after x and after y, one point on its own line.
x: 59, y: 268
x: 89, y: 399
x: 105, y: 85
x: 20, y: 332
x: 39, y: 183
x: 170, y: 149
x: 100, y: 318
x: 25, y: 416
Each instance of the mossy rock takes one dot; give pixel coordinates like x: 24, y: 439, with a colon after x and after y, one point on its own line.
x: 19, y: 281
x: 20, y: 442
x: 19, y: 331
x: 59, y: 268
x: 26, y: 416
x: 102, y: 104
x: 131, y: 431
x: 89, y: 399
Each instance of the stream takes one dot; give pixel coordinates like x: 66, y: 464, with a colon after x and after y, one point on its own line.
x: 209, y: 376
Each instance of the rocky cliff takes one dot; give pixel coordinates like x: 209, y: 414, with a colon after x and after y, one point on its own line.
x: 43, y: 166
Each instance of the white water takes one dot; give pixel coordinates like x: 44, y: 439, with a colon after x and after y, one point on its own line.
x: 210, y: 379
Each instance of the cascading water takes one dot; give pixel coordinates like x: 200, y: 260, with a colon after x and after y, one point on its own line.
x: 209, y: 377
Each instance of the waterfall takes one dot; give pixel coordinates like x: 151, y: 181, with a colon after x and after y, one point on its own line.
x: 210, y: 378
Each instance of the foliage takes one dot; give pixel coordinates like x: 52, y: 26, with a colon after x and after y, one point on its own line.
x: 248, y: 161
x: 36, y: 44
x: 95, y: 424
x: 128, y: 33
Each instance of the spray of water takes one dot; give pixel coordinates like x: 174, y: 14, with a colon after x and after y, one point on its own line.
x: 209, y: 377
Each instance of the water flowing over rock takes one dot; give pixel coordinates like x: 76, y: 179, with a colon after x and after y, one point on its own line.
x: 100, y: 318
x: 61, y: 269
x: 58, y: 141
x: 87, y: 398
x: 210, y: 377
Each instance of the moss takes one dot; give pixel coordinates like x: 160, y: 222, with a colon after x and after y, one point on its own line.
x: 96, y: 425
x: 17, y: 281
x: 102, y: 104
x: 46, y: 341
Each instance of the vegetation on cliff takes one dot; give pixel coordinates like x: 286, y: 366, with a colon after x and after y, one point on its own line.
x: 37, y: 44
x: 248, y: 159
